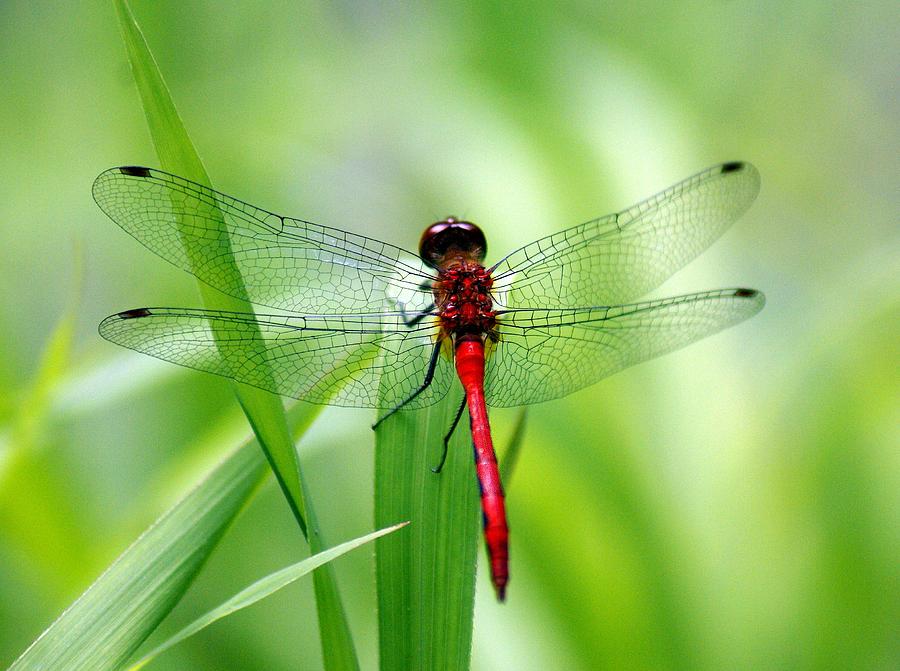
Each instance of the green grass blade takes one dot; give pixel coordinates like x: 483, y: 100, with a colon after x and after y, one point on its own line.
x: 426, y: 575
x: 35, y: 500
x: 264, y: 411
x: 261, y: 589
x: 32, y: 409
x: 177, y: 154
x: 511, y: 454
x: 107, y: 623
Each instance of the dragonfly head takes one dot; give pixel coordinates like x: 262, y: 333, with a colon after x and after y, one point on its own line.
x: 451, y: 239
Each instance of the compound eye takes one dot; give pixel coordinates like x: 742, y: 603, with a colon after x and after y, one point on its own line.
x: 449, y: 239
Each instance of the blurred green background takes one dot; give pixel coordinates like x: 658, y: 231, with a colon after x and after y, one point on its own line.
x: 734, y: 505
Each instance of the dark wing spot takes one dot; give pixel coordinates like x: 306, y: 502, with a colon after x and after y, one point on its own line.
x: 135, y: 171
x: 733, y: 166
x: 134, y: 314
x: 745, y: 293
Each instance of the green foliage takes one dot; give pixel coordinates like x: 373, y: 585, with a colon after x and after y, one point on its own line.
x: 104, y: 627
x: 261, y: 589
x: 425, y: 574
x: 733, y: 505
x: 264, y: 411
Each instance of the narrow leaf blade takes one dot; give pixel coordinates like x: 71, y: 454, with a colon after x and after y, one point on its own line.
x: 263, y: 410
x: 107, y: 623
x: 263, y: 588
x: 426, y: 576
x: 511, y: 454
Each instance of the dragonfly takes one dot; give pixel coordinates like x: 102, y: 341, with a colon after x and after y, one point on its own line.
x: 353, y: 321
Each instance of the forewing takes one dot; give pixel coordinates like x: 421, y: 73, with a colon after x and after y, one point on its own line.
x: 284, y: 263
x: 622, y: 256
x: 546, y: 354
x: 334, y: 360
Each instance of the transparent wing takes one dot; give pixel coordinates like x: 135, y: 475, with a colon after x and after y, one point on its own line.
x: 546, y: 354
x: 334, y: 360
x: 623, y: 256
x: 284, y: 263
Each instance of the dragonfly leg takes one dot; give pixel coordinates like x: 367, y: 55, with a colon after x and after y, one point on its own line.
x: 459, y: 412
x: 429, y: 376
x: 412, y: 321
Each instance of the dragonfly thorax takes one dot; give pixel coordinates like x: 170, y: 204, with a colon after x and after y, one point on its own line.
x: 462, y: 296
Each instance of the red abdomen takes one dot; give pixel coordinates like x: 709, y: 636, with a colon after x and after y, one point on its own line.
x: 470, y: 368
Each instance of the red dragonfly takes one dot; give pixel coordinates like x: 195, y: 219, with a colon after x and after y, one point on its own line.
x: 366, y: 324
